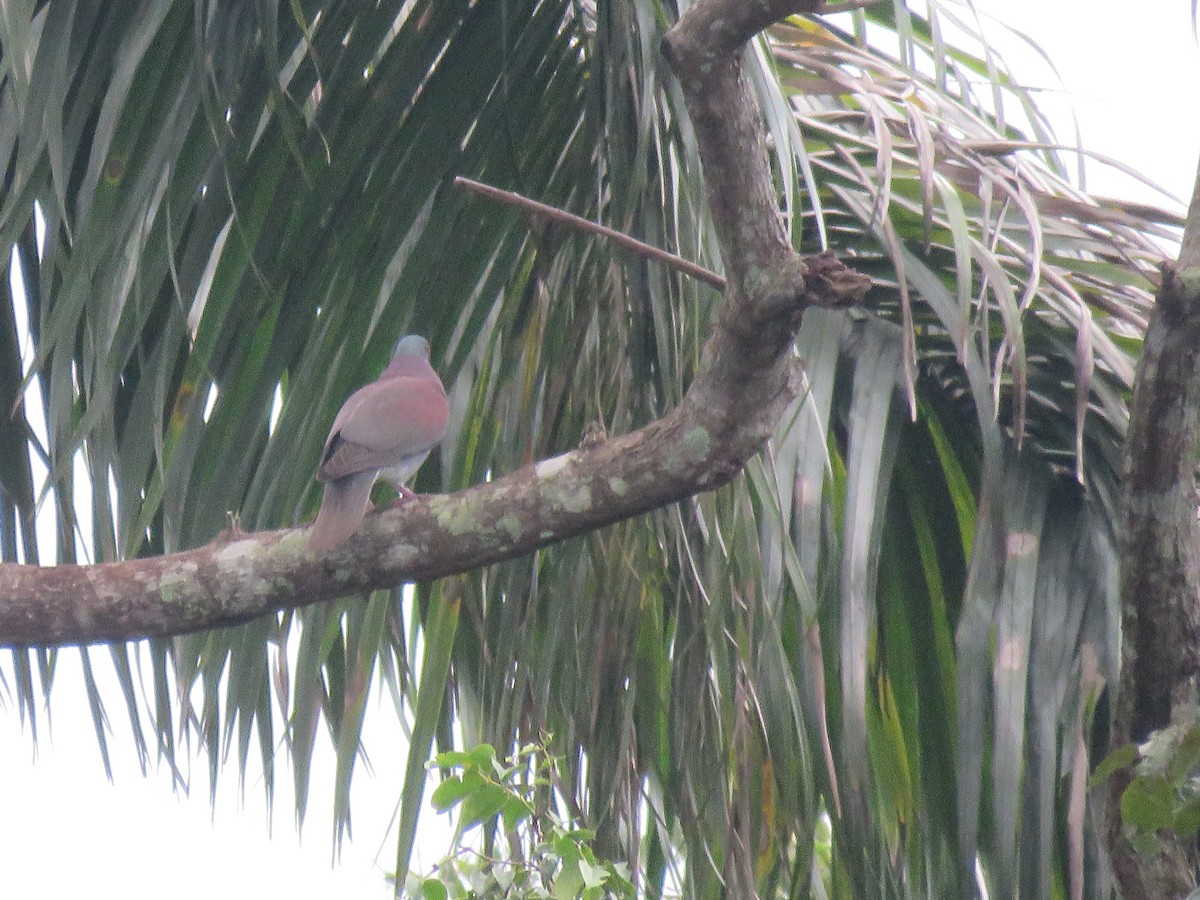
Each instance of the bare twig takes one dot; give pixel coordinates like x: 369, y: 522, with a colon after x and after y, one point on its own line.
x: 633, y: 245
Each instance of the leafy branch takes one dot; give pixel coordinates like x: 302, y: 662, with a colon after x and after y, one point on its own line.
x: 531, y: 851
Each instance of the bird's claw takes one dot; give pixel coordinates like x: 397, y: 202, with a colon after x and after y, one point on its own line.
x: 405, y: 495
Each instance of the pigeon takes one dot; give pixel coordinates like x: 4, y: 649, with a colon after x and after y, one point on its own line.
x: 384, y: 430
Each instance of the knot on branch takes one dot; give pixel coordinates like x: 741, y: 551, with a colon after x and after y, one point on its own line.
x: 770, y: 316
x: 831, y: 283
x: 1179, y: 296
x: 763, y: 323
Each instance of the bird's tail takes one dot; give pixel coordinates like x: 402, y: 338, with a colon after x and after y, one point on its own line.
x: 342, y: 509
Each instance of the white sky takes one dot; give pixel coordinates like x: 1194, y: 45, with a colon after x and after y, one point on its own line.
x: 1131, y: 75
x: 1134, y: 76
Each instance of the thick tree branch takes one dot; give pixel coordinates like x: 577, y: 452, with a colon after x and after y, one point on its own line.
x: 1160, y: 560
x: 746, y: 380
x: 765, y: 274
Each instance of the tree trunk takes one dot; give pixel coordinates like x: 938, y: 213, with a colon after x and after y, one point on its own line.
x: 1160, y: 563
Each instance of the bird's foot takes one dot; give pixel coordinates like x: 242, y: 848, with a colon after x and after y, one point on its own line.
x: 233, y: 531
x: 405, y: 495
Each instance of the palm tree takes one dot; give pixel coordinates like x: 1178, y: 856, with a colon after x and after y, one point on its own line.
x: 895, y: 623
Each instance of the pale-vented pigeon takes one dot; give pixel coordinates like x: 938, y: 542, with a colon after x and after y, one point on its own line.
x: 384, y: 430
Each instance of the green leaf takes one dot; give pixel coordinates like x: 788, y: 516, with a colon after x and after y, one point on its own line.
x: 448, y: 793
x: 1185, y: 760
x: 1120, y: 758
x: 1187, y: 818
x: 482, y: 805
x: 515, y: 811
x: 450, y: 759
x: 482, y: 755
x: 569, y: 882
x: 593, y: 876
x: 1149, y: 803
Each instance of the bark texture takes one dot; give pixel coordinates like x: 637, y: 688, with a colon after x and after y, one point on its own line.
x: 746, y: 380
x: 1160, y: 563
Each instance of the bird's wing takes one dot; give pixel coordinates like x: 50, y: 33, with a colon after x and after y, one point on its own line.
x: 383, y: 423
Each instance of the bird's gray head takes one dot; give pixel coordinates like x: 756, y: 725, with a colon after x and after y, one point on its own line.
x: 412, y: 345
x: 410, y: 358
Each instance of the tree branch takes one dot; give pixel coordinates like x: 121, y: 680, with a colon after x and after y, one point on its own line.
x: 746, y: 379
x: 632, y: 244
x: 826, y: 9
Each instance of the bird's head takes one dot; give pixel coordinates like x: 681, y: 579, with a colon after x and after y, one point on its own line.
x: 412, y: 345
x: 411, y: 357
